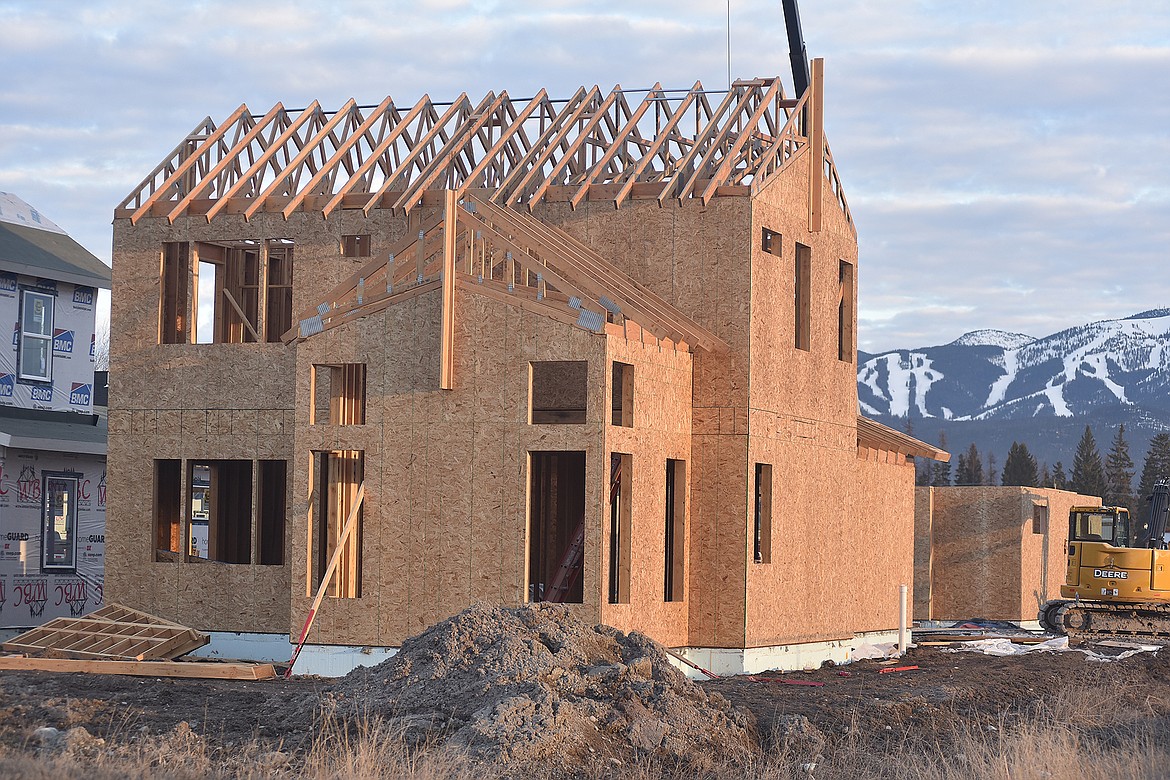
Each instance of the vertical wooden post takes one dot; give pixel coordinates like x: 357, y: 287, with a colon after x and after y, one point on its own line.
x: 255, y: 529
x: 816, y: 139
x: 447, y: 344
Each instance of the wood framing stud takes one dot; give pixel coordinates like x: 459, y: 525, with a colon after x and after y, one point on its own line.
x: 447, y: 339
x: 816, y: 164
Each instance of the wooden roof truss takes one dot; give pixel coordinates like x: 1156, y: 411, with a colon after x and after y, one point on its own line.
x: 111, y: 632
x: 667, y: 145
x: 506, y: 255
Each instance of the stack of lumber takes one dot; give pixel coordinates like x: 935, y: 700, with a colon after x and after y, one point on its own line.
x: 119, y: 640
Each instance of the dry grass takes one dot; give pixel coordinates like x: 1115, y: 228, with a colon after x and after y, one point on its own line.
x: 1087, y: 732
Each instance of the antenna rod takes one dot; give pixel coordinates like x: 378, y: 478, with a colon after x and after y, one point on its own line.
x: 796, y: 51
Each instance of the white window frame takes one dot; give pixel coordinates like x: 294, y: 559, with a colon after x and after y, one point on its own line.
x: 26, y: 335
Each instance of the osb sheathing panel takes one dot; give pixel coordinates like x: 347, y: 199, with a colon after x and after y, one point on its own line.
x: 923, y: 552
x: 802, y: 421
x: 661, y: 431
x: 695, y: 257
x: 445, y: 518
x: 203, y: 401
x: 811, y: 385
x: 987, y: 561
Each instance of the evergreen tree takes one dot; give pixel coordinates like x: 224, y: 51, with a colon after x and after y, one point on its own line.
x: 1156, y: 467
x: 970, y: 471
x: 992, y: 474
x: 1119, y: 473
x: 1020, y: 467
x: 1059, y: 480
x: 922, y: 470
x: 1045, y: 476
x: 940, y: 473
x: 1088, y: 475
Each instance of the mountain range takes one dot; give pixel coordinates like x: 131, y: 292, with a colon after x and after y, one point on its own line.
x: 997, y: 387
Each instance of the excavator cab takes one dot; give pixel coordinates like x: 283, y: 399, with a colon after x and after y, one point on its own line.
x: 1100, y: 524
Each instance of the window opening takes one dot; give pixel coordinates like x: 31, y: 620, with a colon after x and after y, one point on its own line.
x: 339, y: 476
x: 676, y: 490
x: 619, y: 528
x: 221, y: 510
x: 845, y: 314
x: 339, y: 394
x: 167, y: 502
x: 36, y: 336
x: 205, y: 302
x: 59, y: 522
x: 802, y: 305
x: 556, y: 526
x: 763, y: 514
x: 279, y: 292
x: 355, y: 246
x: 227, y: 293
x: 558, y: 392
x: 770, y: 241
x: 623, y: 395
x: 172, y: 325
x: 1039, y: 519
x: 272, y: 511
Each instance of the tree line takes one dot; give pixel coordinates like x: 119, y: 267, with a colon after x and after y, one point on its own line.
x: 1111, y: 477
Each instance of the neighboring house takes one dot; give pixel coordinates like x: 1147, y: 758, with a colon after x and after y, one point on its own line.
x: 990, y: 552
x: 591, y: 351
x: 52, y: 444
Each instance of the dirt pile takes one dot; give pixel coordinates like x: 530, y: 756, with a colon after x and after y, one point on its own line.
x: 533, y: 684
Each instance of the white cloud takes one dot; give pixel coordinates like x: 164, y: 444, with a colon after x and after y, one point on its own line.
x: 1007, y: 163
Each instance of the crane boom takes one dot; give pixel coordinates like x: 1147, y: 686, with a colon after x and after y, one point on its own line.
x: 796, y: 50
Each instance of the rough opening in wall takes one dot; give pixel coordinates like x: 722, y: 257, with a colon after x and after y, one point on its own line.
x: 556, y: 526
x: 846, y: 316
x: 675, y: 533
x: 172, y: 316
x: 802, y: 302
x: 770, y: 241
x: 339, y: 394
x: 1039, y: 518
x: 762, y: 527
x: 168, y: 540
x: 221, y: 510
x: 620, y: 542
x: 227, y: 292
x: 338, y: 477
x: 558, y: 392
x: 272, y: 497
x: 623, y: 395
x: 355, y: 245
x: 278, y: 290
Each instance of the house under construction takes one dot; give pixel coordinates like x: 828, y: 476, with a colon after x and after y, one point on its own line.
x: 598, y: 350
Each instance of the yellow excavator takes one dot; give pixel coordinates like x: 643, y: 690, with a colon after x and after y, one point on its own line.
x: 1118, y: 577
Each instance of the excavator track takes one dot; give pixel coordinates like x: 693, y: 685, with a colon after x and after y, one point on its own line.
x: 1106, y: 620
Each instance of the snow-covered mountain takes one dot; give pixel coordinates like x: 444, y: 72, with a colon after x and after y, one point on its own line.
x: 1113, y: 365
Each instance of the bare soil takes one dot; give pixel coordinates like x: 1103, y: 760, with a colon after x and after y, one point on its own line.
x: 526, y: 685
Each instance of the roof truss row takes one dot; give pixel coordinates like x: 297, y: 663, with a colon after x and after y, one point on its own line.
x: 670, y: 145
x: 510, y: 256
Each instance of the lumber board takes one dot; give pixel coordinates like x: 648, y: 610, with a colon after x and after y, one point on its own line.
x: 207, y: 670
x: 262, y: 161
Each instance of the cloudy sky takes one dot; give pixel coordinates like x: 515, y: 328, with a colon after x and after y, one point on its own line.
x: 1007, y: 163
